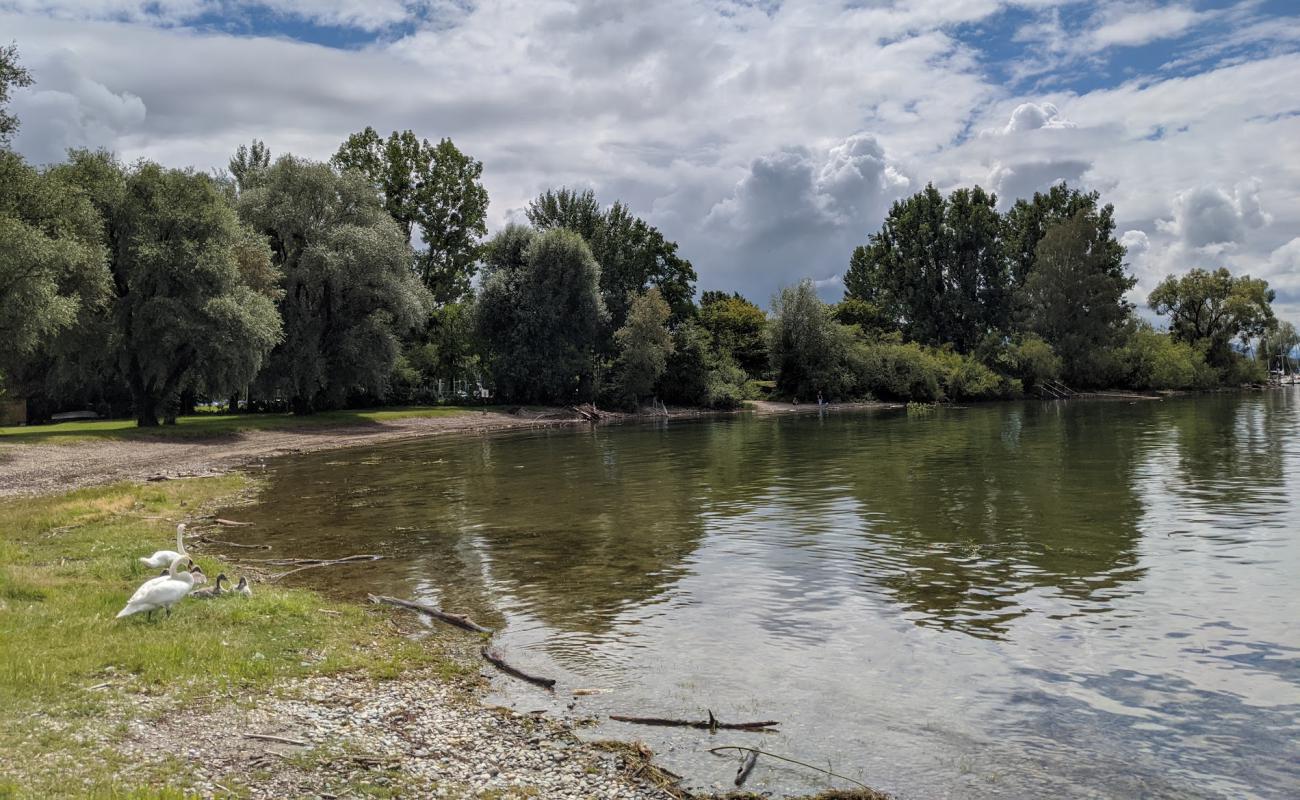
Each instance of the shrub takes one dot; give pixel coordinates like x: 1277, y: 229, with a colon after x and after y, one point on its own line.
x: 892, y: 371
x: 1155, y: 360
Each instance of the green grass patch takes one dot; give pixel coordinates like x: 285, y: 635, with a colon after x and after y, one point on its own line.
x: 69, y: 671
x: 208, y: 425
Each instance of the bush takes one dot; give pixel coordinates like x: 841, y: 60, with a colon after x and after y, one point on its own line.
x: 1033, y: 361
x: 892, y: 371
x: 1155, y: 360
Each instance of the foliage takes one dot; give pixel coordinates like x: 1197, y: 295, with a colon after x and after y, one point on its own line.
x: 1278, y: 345
x: 867, y: 316
x: 935, y: 269
x: 540, y: 314
x: 348, y: 292
x: 1155, y: 360
x: 12, y: 76
x: 183, y: 316
x: 738, y: 328
x: 52, y: 260
x: 891, y: 370
x: 1074, y: 297
x: 632, y: 254
x: 249, y: 164
x: 1027, y: 222
x: 435, y: 188
x: 1211, y: 309
x: 808, y: 349
x: 696, y: 374
x: 644, y: 345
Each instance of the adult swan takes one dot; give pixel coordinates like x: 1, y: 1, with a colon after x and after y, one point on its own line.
x: 164, y: 557
x: 161, y: 592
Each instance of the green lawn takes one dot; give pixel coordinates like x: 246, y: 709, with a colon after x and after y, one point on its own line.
x: 70, y: 673
x: 207, y: 425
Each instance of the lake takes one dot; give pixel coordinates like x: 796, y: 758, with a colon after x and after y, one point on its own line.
x: 1072, y: 599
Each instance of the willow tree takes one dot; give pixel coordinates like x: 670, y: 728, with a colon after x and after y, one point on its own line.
x: 1210, y: 310
x: 348, y: 291
x: 541, y: 315
x: 183, y: 315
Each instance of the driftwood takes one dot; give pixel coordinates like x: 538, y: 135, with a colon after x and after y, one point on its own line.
x: 459, y: 620
x: 867, y: 794
x: 587, y: 411
x: 494, y: 658
x: 266, y: 737
x: 230, y: 523
x: 326, y: 562
x: 711, y: 724
x: 746, y: 767
x: 204, y: 538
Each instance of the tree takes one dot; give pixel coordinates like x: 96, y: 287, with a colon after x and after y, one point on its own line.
x: 808, y: 349
x: 1074, y: 297
x: 348, y: 292
x: 249, y: 164
x: 12, y: 76
x: 435, y: 189
x: 935, y: 269
x: 644, y: 345
x: 632, y: 254
x: 52, y: 260
x: 738, y: 328
x: 1211, y: 309
x: 1278, y: 346
x: 1027, y: 222
x: 183, y: 316
x: 541, y: 315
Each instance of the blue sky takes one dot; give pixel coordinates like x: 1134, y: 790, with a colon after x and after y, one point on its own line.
x: 768, y: 138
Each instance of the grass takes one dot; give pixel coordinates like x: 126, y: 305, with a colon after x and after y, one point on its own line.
x: 70, y: 673
x: 211, y: 425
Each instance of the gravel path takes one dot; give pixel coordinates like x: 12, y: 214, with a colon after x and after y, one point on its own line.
x: 48, y: 468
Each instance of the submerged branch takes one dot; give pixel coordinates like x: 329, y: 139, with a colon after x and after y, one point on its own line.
x: 458, y: 620
x: 495, y: 659
x: 710, y: 724
x: 754, y: 751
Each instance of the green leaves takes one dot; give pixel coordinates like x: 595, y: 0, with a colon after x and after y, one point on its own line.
x: 1210, y: 309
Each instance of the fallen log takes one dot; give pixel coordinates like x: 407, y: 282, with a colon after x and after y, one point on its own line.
x: 711, y: 724
x: 746, y: 767
x: 458, y: 620
x: 494, y: 658
x: 230, y: 523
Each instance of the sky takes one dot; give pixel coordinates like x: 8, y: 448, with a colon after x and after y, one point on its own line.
x: 767, y: 138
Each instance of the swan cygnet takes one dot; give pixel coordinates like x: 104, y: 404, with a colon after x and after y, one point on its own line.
x: 214, y: 590
x: 245, y: 588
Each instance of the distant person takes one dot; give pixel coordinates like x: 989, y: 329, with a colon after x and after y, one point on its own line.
x: 820, y: 401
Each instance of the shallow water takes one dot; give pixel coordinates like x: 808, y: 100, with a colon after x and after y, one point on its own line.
x: 1083, y: 599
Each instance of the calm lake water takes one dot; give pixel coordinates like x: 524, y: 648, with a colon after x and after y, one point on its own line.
x: 1083, y: 599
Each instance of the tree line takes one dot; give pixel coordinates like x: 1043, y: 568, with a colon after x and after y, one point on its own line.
x: 287, y: 283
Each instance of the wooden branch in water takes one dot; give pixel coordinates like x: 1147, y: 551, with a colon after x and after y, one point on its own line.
x: 867, y: 794
x: 746, y: 767
x: 209, y: 540
x: 459, y: 620
x: 314, y: 563
x: 494, y: 658
x: 710, y: 724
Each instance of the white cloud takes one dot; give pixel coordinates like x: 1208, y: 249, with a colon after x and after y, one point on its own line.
x: 1208, y: 215
x: 1129, y: 27
x: 1035, y: 116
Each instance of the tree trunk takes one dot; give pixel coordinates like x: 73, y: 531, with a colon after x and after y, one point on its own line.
x: 146, y: 412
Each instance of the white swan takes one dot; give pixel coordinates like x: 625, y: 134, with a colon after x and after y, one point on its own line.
x: 164, y: 557
x: 161, y: 592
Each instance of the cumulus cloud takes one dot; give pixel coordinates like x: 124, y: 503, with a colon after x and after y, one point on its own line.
x: 1205, y: 216
x: 67, y: 109
x: 1035, y: 116
x: 1013, y: 181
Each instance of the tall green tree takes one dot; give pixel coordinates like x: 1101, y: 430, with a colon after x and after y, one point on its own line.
x: 936, y: 268
x: 541, y: 315
x: 738, y: 327
x: 1027, y: 222
x: 183, y: 316
x: 633, y: 255
x: 249, y: 164
x: 1211, y: 309
x: 348, y: 292
x: 12, y: 76
x: 435, y: 190
x: 644, y: 346
x: 808, y: 348
x: 52, y: 260
x: 1074, y: 296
